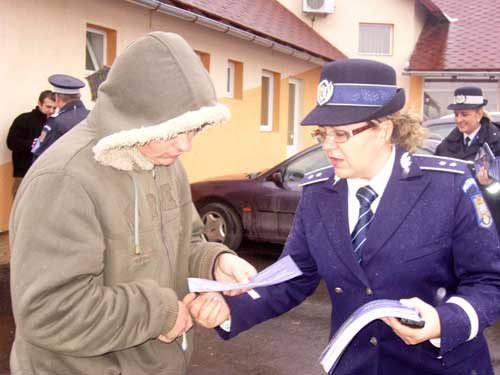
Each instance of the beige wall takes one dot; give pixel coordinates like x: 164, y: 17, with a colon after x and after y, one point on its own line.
x: 54, y: 42
x: 341, y: 27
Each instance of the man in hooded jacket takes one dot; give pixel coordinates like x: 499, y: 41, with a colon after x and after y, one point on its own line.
x: 104, y: 233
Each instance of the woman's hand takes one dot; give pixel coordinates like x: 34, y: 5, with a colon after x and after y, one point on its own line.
x: 482, y: 177
x: 209, y: 309
x: 233, y: 269
x: 413, y: 336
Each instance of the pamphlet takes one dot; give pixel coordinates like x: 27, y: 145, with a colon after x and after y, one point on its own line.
x: 357, y: 320
x: 284, y: 269
x: 486, y: 159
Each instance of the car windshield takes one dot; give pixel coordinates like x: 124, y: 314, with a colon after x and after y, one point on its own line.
x: 294, y: 172
x: 440, y: 131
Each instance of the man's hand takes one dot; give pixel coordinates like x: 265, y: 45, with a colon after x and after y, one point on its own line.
x: 183, y: 323
x: 230, y: 268
x: 482, y: 177
x: 413, y: 336
x: 209, y: 309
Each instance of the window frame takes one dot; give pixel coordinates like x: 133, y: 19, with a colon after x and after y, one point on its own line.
x: 92, y: 55
x: 230, y: 78
x: 391, y: 39
x: 270, y: 104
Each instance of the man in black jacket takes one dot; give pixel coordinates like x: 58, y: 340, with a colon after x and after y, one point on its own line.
x: 71, y: 112
x: 474, y: 128
x: 24, y: 130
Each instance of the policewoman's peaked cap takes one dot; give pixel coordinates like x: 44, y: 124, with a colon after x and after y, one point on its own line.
x: 355, y: 90
x: 468, y: 97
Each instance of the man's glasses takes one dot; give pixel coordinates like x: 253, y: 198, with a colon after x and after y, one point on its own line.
x: 339, y: 136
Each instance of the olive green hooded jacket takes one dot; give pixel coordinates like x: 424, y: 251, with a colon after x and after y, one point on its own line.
x: 102, y: 240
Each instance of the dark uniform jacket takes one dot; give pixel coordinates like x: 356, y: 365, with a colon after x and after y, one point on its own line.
x: 25, y: 128
x: 58, y: 124
x: 453, y: 146
x: 431, y: 232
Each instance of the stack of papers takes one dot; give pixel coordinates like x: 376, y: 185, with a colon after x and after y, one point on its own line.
x: 283, y: 270
x: 359, y: 319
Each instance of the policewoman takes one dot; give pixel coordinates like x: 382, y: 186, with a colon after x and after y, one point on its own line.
x: 71, y: 112
x: 386, y: 224
x: 473, y: 130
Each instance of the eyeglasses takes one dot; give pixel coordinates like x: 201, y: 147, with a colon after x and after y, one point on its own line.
x: 339, y: 136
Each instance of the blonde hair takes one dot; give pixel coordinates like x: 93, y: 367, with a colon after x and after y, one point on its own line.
x: 407, y: 130
x: 486, y: 114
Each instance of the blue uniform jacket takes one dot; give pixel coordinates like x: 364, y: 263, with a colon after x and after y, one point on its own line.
x: 60, y: 123
x: 430, y: 231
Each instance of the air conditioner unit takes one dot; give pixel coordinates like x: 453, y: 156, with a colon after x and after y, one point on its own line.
x: 318, y: 6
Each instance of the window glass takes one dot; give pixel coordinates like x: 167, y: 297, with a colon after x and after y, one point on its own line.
x: 295, y: 171
x: 95, y: 51
x: 266, y: 107
x: 230, y: 79
x: 375, y: 39
x: 291, y: 113
x: 439, y: 93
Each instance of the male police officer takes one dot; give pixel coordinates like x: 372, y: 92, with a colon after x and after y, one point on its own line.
x: 71, y: 111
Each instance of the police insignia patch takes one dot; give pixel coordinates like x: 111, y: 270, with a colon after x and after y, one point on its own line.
x: 459, y: 99
x: 325, y: 91
x: 482, y: 212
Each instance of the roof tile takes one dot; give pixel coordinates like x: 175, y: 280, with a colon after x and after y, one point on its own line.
x: 467, y: 44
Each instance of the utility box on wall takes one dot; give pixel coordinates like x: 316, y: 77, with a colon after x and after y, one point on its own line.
x: 318, y: 6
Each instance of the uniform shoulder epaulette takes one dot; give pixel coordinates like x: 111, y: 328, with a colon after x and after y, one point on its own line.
x: 442, y: 164
x: 318, y: 175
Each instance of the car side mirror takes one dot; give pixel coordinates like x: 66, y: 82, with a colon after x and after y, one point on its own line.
x: 277, y: 178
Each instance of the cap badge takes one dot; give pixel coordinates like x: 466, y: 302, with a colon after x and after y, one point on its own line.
x: 325, y: 91
x: 460, y: 99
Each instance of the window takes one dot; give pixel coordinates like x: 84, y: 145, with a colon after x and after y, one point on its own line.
x: 205, y: 59
x: 294, y: 114
x: 296, y: 170
x: 100, y: 47
x: 266, y: 104
x: 230, y: 73
x: 375, y: 39
x: 438, y: 93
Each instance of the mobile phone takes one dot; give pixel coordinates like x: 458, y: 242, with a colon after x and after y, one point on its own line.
x: 412, y: 323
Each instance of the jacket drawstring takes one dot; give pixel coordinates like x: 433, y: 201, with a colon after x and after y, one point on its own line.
x: 136, y: 217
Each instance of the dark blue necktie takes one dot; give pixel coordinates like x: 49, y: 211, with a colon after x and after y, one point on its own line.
x: 366, y: 196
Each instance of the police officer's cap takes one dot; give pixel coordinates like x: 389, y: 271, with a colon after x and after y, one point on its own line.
x: 64, y: 84
x: 355, y: 90
x: 468, y: 97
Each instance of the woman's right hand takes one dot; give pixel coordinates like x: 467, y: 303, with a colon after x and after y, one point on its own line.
x: 209, y: 310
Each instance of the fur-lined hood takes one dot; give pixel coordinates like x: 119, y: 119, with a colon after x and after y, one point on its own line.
x: 156, y: 89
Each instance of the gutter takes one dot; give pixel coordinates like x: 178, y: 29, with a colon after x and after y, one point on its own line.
x: 186, y: 15
x: 452, y: 74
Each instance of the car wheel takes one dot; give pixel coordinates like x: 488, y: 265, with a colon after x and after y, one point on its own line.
x: 222, y: 224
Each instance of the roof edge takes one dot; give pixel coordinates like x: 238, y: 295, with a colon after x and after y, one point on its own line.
x: 436, y: 11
